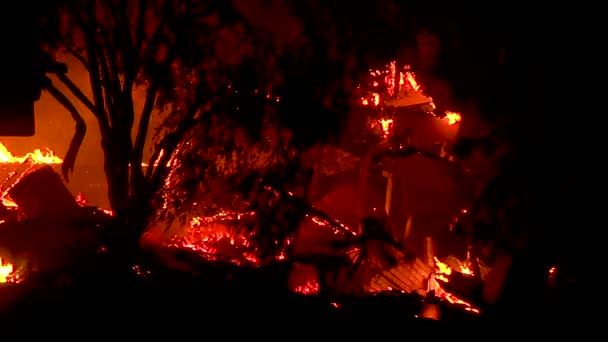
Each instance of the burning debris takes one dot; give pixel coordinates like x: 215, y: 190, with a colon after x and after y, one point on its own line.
x: 40, y: 220
x: 9, y: 209
x: 386, y: 91
x: 8, y: 274
x: 443, y: 274
x: 222, y: 237
x: 217, y: 238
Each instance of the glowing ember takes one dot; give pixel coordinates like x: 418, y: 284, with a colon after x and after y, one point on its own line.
x: 336, y: 226
x: 457, y: 301
x: 37, y: 157
x: 452, y: 118
x: 209, y: 237
x: 81, y: 199
x: 311, y: 288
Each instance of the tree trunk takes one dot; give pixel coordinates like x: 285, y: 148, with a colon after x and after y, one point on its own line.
x: 118, y: 186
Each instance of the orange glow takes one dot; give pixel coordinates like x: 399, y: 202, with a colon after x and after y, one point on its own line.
x: 452, y: 118
x: 37, y: 157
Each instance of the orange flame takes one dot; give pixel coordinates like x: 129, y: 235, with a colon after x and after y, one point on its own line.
x: 443, y: 268
x: 452, y: 117
x: 7, y: 202
x: 6, y: 272
x: 409, y: 76
x: 37, y: 157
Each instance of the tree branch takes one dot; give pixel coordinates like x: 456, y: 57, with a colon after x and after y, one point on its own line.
x: 79, y: 58
x: 144, y: 121
x: 123, y: 50
x: 102, y: 119
x: 81, y: 128
x: 107, y: 86
x: 171, y: 141
x: 139, y: 30
x: 91, y: 48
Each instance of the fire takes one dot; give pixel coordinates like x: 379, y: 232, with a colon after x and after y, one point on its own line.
x: 402, y: 86
x: 409, y: 76
x: 464, y: 269
x: 311, y: 287
x: 37, y: 157
x: 386, y: 124
x: 445, y: 270
x: 7, y: 202
x: 452, y: 117
x: 457, y: 301
x: 6, y: 272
